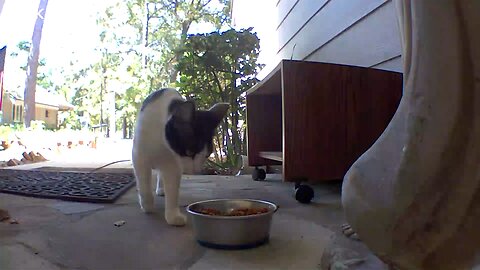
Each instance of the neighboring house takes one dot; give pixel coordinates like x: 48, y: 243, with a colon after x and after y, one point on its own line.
x: 47, y: 107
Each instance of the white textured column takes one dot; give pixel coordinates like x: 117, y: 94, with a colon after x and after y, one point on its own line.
x: 414, y: 196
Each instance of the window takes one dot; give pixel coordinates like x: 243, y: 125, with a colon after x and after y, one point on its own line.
x: 46, y: 113
x: 19, y: 113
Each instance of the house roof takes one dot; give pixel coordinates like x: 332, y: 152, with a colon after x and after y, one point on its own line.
x: 42, y: 96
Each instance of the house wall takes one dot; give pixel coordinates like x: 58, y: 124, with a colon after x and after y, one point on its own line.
x: 7, y: 113
x: 353, y: 32
x: 6, y: 110
x: 50, y: 119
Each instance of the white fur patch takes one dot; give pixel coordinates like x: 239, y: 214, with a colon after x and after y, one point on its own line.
x: 151, y: 151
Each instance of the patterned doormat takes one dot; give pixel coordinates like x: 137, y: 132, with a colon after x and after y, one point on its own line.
x: 98, y: 187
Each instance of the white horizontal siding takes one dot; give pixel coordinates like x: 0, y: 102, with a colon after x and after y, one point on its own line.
x: 284, y: 8
x: 372, y: 40
x: 330, y: 21
x: 354, y: 32
x: 394, y: 64
x: 299, y: 16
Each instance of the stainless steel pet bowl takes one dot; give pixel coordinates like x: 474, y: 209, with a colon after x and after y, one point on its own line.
x: 231, y: 232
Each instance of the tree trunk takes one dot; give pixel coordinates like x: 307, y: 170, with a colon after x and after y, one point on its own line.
x: 217, y: 149
x: 32, y: 65
x: 237, y: 143
x: 108, y: 128
x: 130, y: 130
x: 124, y: 127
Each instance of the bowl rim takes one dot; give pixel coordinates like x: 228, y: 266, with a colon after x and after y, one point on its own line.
x: 270, y: 212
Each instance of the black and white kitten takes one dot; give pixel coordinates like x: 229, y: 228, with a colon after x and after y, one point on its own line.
x: 171, y: 138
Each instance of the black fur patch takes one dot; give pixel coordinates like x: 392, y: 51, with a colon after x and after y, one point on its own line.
x: 187, y: 139
x: 173, y: 105
x: 152, y: 97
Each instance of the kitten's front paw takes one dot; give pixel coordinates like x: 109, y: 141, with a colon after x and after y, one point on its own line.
x: 147, y: 208
x: 146, y: 203
x: 176, y: 218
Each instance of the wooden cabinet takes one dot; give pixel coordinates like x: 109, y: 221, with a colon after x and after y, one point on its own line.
x: 316, y: 118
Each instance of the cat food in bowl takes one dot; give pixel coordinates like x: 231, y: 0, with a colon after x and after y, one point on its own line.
x: 232, y: 223
x: 234, y: 212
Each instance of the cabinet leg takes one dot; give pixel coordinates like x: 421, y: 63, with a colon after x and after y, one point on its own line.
x: 259, y: 174
x: 303, y: 193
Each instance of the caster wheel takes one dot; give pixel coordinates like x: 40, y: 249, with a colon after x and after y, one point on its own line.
x: 303, y: 193
x: 259, y: 174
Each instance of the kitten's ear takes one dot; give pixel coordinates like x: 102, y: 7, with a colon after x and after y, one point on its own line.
x: 219, y: 111
x: 185, y: 111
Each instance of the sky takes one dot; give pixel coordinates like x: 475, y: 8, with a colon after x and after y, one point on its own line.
x: 261, y: 14
x: 70, y: 28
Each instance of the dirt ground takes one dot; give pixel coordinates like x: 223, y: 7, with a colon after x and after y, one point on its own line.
x: 71, y: 146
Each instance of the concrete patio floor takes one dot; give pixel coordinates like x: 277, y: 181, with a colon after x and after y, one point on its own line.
x: 54, y: 234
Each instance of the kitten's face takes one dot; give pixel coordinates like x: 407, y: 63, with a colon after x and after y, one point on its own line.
x: 190, y: 132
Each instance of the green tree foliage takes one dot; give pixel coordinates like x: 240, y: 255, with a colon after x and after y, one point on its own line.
x: 221, y: 66
x: 43, y: 75
x: 169, y: 22
x: 139, y: 44
x: 146, y: 46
